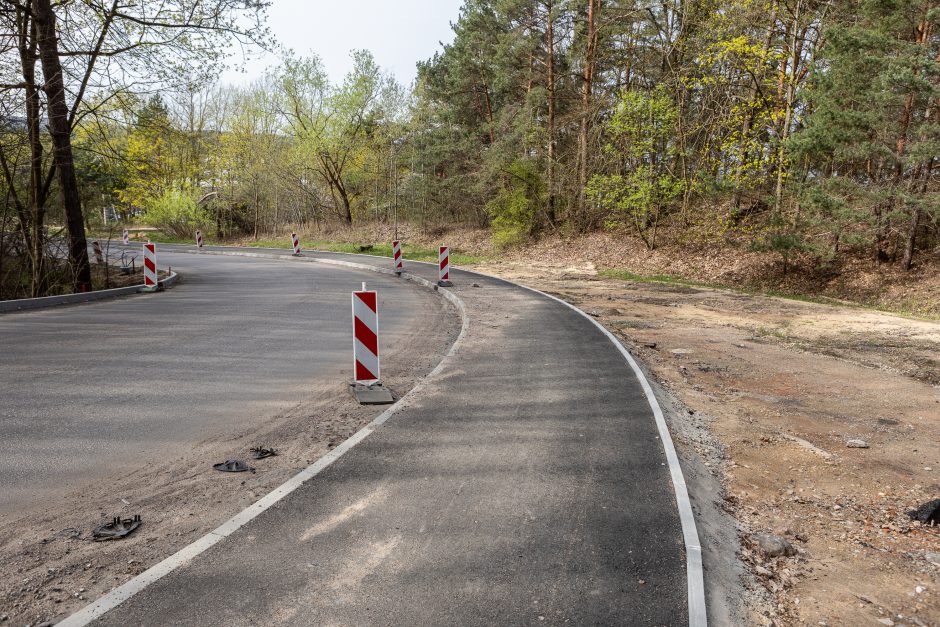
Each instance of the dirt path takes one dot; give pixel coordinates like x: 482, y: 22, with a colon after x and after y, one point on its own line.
x: 784, y: 385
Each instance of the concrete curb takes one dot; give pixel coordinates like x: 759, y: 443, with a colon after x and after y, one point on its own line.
x: 24, y: 304
x: 182, y: 557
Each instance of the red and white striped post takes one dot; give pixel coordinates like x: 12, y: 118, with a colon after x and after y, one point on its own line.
x: 99, y: 257
x: 365, y: 312
x: 296, y: 243
x: 396, y: 257
x: 198, y: 238
x: 444, y: 266
x: 125, y: 236
x: 150, y: 265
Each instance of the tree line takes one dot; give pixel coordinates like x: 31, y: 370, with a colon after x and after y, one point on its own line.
x: 808, y: 126
x: 65, y: 66
x: 804, y: 127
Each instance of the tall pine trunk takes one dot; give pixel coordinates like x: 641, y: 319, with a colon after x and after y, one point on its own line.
x: 923, y: 33
x: 550, y: 89
x: 795, y: 50
x: 489, y: 107
x: 907, y: 261
x: 588, y: 79
x: 61, y: 134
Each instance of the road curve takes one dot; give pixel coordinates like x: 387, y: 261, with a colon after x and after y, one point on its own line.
x: 88, y: 390
x: 526, y: 484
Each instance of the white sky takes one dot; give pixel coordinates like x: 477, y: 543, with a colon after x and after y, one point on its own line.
x: 398, y: 32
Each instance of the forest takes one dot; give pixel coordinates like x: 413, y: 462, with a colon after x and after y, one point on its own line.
x: 804, y: 128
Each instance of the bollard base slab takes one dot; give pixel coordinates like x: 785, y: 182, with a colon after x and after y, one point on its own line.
x: 443, y: 283
x: 373, y: 394
x: 152, y: 288
x: 296, y: 255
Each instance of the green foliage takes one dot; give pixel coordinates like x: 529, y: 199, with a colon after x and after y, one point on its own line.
x: 337, y: 129
x: 871, y: 129
x: 838, y: 206
x: 636, y: 200
x: 177, y: 212
x: 514, y: 208
x: 641, y: 134
x: 809, y: 130
x: 149, y: 155
x: 643, y: 125
x: 783, y: 237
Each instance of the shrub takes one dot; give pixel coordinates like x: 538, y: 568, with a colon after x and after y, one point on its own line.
x: 177, y: 212
x: 641, y: 139
x: 513, y: 211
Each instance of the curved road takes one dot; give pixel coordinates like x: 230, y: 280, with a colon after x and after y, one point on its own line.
x: 526, y: 484
x: 89, y: 389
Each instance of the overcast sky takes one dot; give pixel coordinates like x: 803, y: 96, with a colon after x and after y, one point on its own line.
x: 398, y: 32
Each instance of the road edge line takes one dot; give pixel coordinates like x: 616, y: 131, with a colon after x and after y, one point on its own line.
x: 125, y: 591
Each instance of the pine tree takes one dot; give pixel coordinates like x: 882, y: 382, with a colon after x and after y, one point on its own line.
x: 872, y: 134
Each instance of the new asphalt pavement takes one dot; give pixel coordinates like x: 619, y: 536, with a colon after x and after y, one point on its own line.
x: 525, y: 484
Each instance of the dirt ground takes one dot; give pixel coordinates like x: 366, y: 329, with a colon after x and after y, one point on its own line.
x: 50, y: 567
x: 782, y: 386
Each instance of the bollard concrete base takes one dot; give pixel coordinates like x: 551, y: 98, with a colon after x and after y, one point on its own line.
x: 373, y: 394
x: 443, y: 283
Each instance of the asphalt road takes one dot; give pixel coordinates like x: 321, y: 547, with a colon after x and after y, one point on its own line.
x: 86, y: 390
x: 525, y: 485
